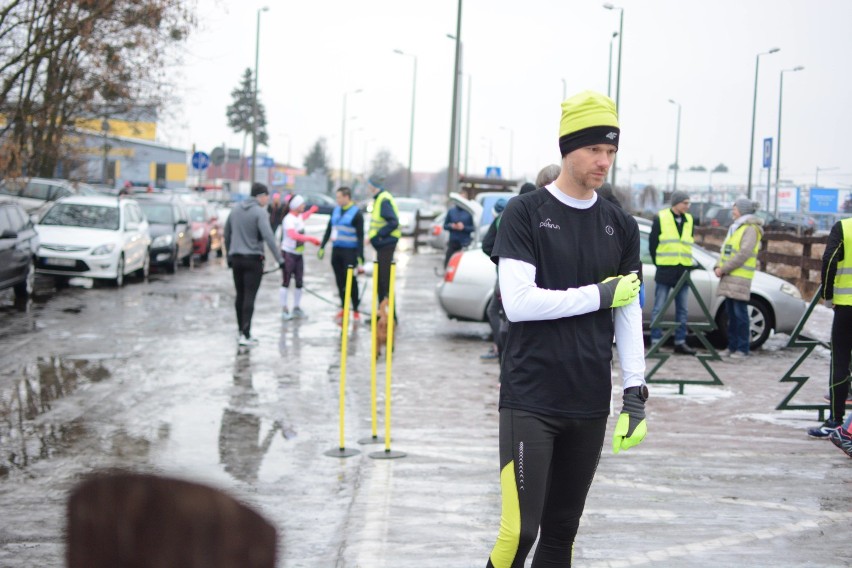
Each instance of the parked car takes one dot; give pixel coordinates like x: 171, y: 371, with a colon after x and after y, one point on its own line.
x: 408, y: 208
x: 775, y: 304
x: 95, y: 237
x: 438, y: 237
x: 487, y: 199
x: 798, y: 223
x: 18, y: 248
x: 699, y: 209
x: 207, y: 231
x: 168, y: 224
x: 718, y: 216
x: 36, y: 195
x: 325, y: 203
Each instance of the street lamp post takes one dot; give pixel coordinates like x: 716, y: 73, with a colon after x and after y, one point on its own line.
x: 617, y: 75
x: 452, y: 172
x: 411, y: 130
x: 677, y: 146
x: 754, y: 114
x: 254, y: 98
x: 778, y: 151
x: 511, y: 150
x: 343, y: 133
x: 609, y: 73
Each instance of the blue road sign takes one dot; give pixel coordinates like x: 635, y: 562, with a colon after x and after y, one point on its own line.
x: 200, y: 161
x: 493, y: 172
x: 824, y: 200
x: 767, y: 152
x: 263, y: 161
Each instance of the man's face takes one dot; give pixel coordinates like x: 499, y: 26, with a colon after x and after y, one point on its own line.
x: 263, y: 199
x: 588, y: 166
x: 681, y: 207
x: 342, y: 199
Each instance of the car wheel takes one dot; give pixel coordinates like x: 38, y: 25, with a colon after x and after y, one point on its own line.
x: 206, y: 254
x: 119, y: 273
x: 761, y: 323
x: 24, y: 288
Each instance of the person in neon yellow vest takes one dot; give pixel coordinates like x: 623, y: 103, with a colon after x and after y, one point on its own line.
x: 837, y: 293
x: 384, y: 231
x: 670, y: 245
x: 735, y: 267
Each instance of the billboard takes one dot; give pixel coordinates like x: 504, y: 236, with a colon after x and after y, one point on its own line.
x: 788, y: 199
x: 823, y: 200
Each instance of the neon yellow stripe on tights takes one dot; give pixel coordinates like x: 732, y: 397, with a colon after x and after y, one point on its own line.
x: 504, y: 551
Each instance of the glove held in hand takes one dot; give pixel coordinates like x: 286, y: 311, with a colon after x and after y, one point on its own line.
x: 617, y: 291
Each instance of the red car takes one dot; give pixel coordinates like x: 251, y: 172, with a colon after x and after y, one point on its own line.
x: 207, y: 234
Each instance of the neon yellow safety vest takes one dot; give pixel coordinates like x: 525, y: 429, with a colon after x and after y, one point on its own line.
x: 843, y: 277
x: 731, y: 247
x: 376, y: 219
x: 674, y: 249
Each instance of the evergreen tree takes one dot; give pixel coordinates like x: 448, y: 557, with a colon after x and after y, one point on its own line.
x: 240, y: 112
x: 317, y: 159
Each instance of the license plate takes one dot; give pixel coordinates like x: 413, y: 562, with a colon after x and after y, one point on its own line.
x: 60, y: 261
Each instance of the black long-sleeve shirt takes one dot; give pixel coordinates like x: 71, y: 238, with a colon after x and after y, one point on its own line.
x: 833, y: 254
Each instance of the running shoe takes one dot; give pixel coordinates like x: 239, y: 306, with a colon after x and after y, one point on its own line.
x: 827, y: 397
x: 248, y: 341
x: 823, y: 431
x: 842, y: 439
x: 298, y: 313
x: 738, y: 355
x: 490, y: 355
x: 356, y: 315
x: 286, y: 315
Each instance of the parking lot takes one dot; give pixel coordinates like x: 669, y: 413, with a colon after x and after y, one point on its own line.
x: 148, y: 378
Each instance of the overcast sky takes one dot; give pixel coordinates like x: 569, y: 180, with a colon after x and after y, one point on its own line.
x: 517, y: 55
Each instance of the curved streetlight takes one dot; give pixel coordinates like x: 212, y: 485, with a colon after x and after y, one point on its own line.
x: 609, y: 74
x: 609, y: 6
x: 677, y: 146
x: 254, y: 98
x: 411, y: 129
x: 778, y: 152
x: 754, y: 113
x: 343, y: 132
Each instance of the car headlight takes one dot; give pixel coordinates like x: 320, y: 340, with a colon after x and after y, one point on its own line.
x: 162, y: 241
x: 791, y: 290
x: 198, y: 233
x: 103, y: 249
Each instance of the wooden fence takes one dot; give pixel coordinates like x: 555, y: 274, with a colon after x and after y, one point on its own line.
x: 796, y: 259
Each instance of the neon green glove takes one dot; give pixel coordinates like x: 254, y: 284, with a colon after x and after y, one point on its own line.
x: 360, y: 261
x: 617, y: 291
x: 321, y: 253
x: 631, y: 427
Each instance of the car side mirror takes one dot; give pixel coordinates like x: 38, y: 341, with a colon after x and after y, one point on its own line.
x: 9, y: 234
x: 131, y: 227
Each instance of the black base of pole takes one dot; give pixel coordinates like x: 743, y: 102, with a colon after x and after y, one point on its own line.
x: 386, y: 455
x: 371, y: 440
x: 341, y: 453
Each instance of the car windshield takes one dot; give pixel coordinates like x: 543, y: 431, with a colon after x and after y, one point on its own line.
x: 197, y: 213
x: 409, y: 205
x: 81, y: 215
x: 160, y: 213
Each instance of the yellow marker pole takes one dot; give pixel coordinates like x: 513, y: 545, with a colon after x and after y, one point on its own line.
x: 374, y: 314
x: 387, y: 453
x: 341, y: 450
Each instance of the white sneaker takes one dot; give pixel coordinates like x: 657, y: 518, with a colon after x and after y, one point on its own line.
x: 738, y: 355
x: 285, y: 315
x: 298, y: 313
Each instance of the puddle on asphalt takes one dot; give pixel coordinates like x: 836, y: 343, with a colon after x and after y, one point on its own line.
x: 24, y: 439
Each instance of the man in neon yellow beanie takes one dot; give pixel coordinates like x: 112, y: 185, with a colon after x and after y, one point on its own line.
x: 569, y: 269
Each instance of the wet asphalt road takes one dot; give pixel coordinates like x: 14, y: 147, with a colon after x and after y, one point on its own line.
x: 149, y: 378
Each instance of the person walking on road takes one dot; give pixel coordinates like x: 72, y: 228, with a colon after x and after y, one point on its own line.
x: 277, y: 211
x: 837, y: 292
x: 670, y: 244
x: 384, y: 231
x: 346, y: 232
x: 293, y: 242
x: 735, y: 268
x: 246, y: 229
x: 459, y: 222
x: 569, y: 276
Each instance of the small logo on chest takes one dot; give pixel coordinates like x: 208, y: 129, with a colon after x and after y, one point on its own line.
x: 546, y: 224
x: 609, y: 230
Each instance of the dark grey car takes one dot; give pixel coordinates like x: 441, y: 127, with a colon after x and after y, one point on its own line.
x: 18, y: 246
x: 171, y: 234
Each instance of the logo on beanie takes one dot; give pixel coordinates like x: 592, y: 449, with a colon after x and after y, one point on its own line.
x: 612, y: 135
x: 547, y: 225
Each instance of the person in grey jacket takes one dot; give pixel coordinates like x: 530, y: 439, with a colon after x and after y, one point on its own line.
x: 735, y: 268
x: 246, y: 230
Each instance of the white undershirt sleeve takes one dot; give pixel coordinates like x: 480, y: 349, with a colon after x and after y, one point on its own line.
x: 524, y: 301
x: 630, y: 344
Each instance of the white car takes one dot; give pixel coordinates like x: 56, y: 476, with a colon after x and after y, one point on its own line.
x: 36, y: 195
x: 93, y: 237
x: 408, y: 207
x: 470, y: 276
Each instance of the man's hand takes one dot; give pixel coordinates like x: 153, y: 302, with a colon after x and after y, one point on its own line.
x: 314, y: 241
x: 717, y: 271
x: 631, y: 426
x: 321, y: 253
x: 617, y: 291
x: 281, y: 265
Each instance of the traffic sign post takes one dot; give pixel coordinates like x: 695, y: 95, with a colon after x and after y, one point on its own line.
x: 767, y: 163
x: 200, y: 161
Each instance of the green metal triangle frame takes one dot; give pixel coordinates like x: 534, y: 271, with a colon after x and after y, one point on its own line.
x: 797, y: 340
x: 699, y: 329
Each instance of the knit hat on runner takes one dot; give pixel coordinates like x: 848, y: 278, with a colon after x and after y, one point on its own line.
x: 588, y: 118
